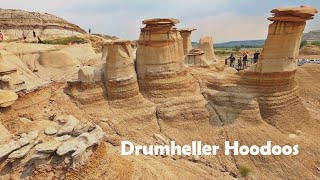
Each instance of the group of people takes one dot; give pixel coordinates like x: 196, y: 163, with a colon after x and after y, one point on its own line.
x: 243, y: 60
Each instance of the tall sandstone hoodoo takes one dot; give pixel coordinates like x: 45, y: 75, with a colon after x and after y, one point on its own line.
x: 274, y: 75
x: 13, y: 22
x: 160, y: 60
x: 206, y: 45
x: 186, y: 36
x: 120, y: 75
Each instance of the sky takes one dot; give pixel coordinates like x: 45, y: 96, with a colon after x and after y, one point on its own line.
x: 224, y: 20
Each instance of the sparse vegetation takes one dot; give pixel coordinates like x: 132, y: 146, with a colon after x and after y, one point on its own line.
x: 244, y: 170
x: 315, y: 43
x: 303, y: 43
x: 66, y: 41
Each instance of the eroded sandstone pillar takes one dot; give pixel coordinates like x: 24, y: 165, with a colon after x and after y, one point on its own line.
x: 160, y: 48
x: 281, y: 48
x: 120, y: 75
x: 160, y: 60
x: 273, y: 76
x: 186, y: 36
x: 206, y: 45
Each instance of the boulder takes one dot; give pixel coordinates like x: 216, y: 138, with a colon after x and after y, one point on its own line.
x: 7, y: 98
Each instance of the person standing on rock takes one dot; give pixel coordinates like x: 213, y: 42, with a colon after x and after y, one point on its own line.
x: 1, y: 36
x: 256, y: 57
x: 34, y: 34
x: 232, y: 59
x: 245, y: 60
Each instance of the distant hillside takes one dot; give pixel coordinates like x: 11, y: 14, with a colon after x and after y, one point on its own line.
x: 241, y: 43
x: 312, y: 36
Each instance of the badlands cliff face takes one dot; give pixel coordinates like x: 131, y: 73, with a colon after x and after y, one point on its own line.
x: 161, y: 96
x: 13, y: 22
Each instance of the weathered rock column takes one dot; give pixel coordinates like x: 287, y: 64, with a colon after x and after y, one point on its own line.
x: 206, y: 45
x: 186, y: 36
x: 273, y: 76
x: 120, y: 75
x: 281, y: 48
x: 160, y: 60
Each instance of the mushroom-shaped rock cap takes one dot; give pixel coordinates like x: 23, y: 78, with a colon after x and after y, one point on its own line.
x: 160, y: 21
x: 195, y: 52
x: 7, y: 98
x: 118, y: 42
x: 187, y: 30
x: 297, y: 14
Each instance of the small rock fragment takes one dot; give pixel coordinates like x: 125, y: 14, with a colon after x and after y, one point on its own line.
x: 50, y: 131
x: 48, y: 147
x: 68, y: 127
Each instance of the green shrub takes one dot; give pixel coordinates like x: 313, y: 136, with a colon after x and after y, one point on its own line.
x: 303, y: 43
x: 244, y: 170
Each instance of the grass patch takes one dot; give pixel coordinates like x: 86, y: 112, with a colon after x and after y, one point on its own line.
x: 244, y: 170
x: 66, y: 41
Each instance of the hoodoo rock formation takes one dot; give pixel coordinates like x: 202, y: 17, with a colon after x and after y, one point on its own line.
x: 120, y: 76
x: 206, y: 45
x: 195, y: 57
x: 274, y: 74
x: 186, y: 36
x: 160, y: 60
x: 13, y: 22
x: 154, y: 100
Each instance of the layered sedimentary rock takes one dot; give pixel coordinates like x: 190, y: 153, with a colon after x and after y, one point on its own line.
x: 160, y: 60
x: 120, y: 75
x: 206, y: 45
x: 186, y: 36
x: 274, y: 74
x: 13, y: 22
x: 196, y: 57
x: 7, y: 98
x: 9, y: 77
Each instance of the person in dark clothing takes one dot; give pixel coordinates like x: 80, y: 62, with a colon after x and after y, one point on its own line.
x: 89, y: 30
x: 245, y: 60
x: 256, y: 56
x: 34, y: 34
x: 232, y: 59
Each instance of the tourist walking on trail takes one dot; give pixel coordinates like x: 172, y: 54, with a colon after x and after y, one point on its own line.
x: 232, y: 59
x: 245, y: 60
x: 1, y: 36
x: 256, y: 57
